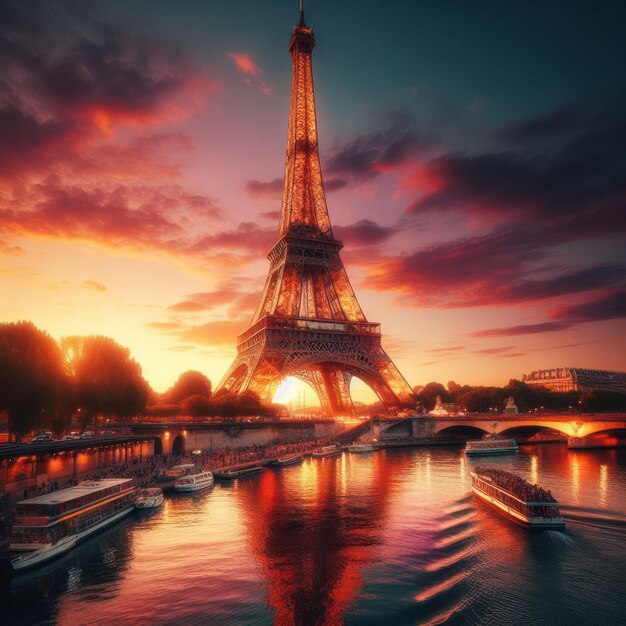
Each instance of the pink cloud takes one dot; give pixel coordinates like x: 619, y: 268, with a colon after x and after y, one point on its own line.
x: 253, y: 73
x: 245, y: 64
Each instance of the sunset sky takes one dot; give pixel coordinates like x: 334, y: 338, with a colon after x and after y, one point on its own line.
x: 473, y: 156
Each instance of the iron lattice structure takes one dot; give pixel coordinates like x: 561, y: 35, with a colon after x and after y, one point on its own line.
x: 308, y: 323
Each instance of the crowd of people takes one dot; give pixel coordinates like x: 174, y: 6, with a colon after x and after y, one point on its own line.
x: 516, y: 485
x: 226, y: 457
x: 145, y: 471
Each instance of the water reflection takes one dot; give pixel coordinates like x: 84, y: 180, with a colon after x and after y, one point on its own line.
x: 313, y: 530
x: 391, y: 537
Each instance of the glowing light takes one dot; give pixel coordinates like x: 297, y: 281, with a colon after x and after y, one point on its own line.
x: 287, y: 392
x: 533, y: 469
x: 604, y: 482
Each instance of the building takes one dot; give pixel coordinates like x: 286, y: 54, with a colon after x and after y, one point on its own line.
x: 577, y: 379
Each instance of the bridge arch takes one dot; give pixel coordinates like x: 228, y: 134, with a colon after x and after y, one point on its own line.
x: 178, y: 445
x: 158, y: 446
x: 465, y: 430
x: 532, y: 429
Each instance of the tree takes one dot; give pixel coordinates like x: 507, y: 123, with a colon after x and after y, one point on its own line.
x: 32, y: 379
x: 190, y: 383
x: 429, y: 393
x: 198, y: 406
x: 106, y: 380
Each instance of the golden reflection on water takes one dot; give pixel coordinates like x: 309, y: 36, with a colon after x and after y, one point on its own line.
x: 604, y: 483
x: 574, y: 464
x: 534, y: 465
x: 312, y: 528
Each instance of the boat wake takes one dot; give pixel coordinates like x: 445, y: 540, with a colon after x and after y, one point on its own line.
x: 597, y: 517
x: 446, y: 542
x: 444, y: 616
x: 449, y: 561
x: 459, y: 506
x: 439, y: 588
x: 458, y: 521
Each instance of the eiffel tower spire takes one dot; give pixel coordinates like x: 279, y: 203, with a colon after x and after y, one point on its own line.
x: 304, y: 209
x: 309, y: 323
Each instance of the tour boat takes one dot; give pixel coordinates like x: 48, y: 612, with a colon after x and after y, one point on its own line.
x: 193, y: 482
x: 327, y: 451
x: 289, y: 460
x: 361, y: 448
x: 149, y: 498
x: 49, y: 551
x: 522, y: 502
x: 178, y: 471
x: 79, y: 511
x: 231, y: 474
x: 491, y: 446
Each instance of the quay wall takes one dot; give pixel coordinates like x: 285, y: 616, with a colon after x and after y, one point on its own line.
x: 175, y: 438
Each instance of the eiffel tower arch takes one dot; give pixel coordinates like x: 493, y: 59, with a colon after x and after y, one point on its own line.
x: 308, y: 323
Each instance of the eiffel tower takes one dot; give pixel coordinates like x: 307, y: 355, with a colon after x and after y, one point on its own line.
x: 309, y: 323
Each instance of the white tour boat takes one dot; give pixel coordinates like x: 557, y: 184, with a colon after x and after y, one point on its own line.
x: 77, y: 512
x: 49, y: 551
x: 326, y: 451
x: 525, y: 504
x: 149, y: 498
x: 361, y: 448
x: 491, y: 446
x: 193, y: 482
x: 292, y: 459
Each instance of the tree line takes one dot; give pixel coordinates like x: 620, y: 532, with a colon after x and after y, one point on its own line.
x: 481, y: 399
x: 45, y: 384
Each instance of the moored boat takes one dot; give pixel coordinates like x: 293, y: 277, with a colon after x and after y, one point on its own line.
x: 491, y: 446
x: 327, y: 451
x: 79, y: 511
x: 361, y: 448
x: 178, y: 471
x: 231, y: 474
x: 288, y: 460
x: 149, y: 498
x: 522, y: 502
x: 193, y: 482
x: 48, y: 552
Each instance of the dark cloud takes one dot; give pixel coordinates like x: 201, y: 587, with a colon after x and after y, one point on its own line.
x: 363, y: 233
x: 497, y: 268
x: 611, y: 305
x: 270, y: 215
x: 608, y: 307
x: 66, y: 65
x: 130, y: 215
x: 443, y: 350
x: 269, y: 188
x: 501, y: 351
x: 366, y: 156
x: 523, y: 329
x: 274, y: 188
x: 564, y: 169
x: 248, y: 236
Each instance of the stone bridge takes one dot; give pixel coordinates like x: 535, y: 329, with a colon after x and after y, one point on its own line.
x: 581, y: 430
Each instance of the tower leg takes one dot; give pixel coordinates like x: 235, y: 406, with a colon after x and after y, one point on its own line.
x: 337, y: 383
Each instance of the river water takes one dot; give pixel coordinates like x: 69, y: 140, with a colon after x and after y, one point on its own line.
x: 392, y: 537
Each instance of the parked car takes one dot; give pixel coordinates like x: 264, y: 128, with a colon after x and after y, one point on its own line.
x: 88, y: 434
x: 43, y: 435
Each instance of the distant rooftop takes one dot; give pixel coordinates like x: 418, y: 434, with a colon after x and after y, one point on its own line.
x: 63, y: 495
